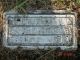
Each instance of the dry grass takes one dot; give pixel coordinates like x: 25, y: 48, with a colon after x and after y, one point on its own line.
x: 19, y: 54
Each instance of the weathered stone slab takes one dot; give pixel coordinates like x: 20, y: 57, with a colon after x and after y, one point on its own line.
x: 41, y: 30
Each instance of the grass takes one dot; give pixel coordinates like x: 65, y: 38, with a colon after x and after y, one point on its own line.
x: 19, y: 54
x: 78, y: 2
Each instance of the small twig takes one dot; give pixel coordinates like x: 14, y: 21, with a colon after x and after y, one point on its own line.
x: 44, y: 54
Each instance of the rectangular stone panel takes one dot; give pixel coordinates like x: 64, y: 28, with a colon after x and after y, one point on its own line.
x: 40, y: 30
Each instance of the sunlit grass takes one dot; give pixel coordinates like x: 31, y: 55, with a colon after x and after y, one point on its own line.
x: 78, y: 2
